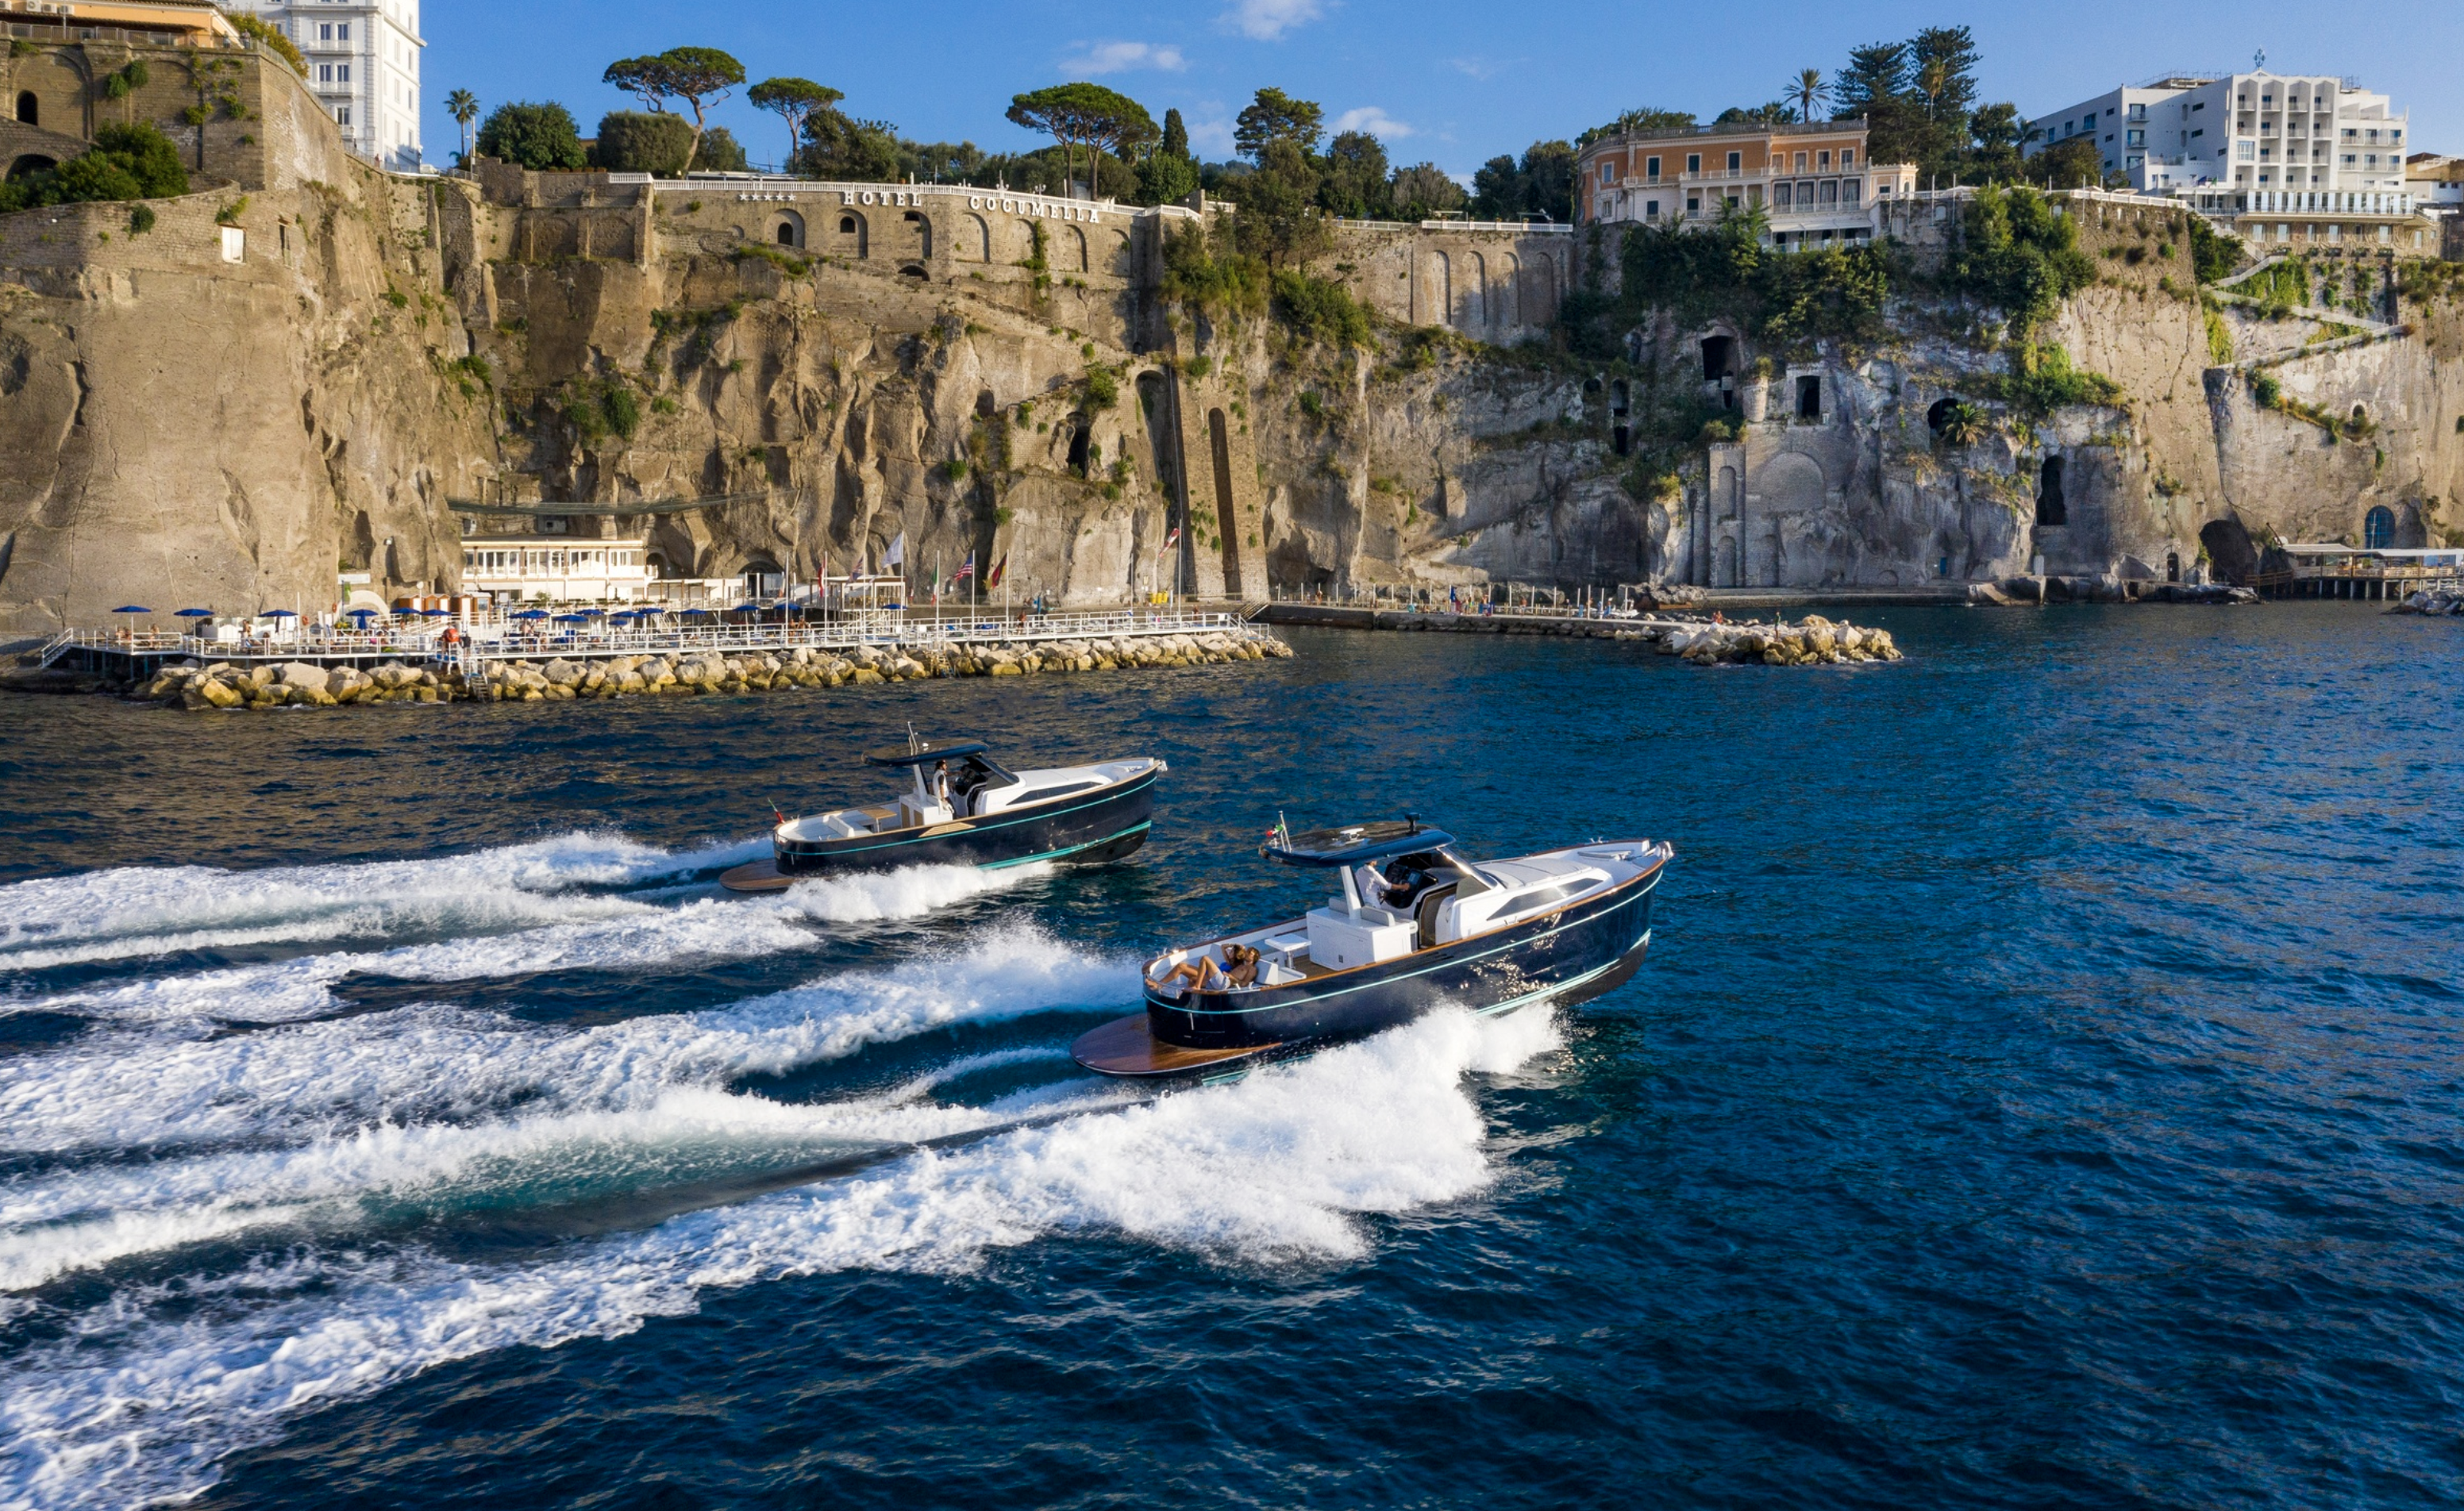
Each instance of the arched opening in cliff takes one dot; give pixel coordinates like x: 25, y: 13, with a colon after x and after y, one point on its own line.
x: 790, y: 231
x: 1081, y: 440
x: 2051, y: 509
x: 2172, y: 566
x: 915, y: 271
x: 1939, y: 415
x: 2231, y: 555
x: 1719, y: 357
x: 1164, y: 436
x: 29, y: 110
x: 1809, y: 397
x: 31, y: 163
x: 1227, y: 522
x: 855, y: 236
x: 923, y: 233
x: 2378, y: 529
x: 1621, y: 410
x: 762, y: 579
x: 984, y: 405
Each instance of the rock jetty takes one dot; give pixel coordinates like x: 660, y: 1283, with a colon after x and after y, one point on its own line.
x: 224, y: 685
x: 2432, y: 600
x: 1811, y: 642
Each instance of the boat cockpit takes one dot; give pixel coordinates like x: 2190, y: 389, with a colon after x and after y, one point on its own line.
x: 1404, y: 890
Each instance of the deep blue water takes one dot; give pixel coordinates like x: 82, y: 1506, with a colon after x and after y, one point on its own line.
x: 2042, y: 1091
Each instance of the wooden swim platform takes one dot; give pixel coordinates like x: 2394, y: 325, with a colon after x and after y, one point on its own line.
x: 1126, y: 1047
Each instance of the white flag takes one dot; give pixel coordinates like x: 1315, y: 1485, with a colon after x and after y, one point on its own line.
x: 896, y: 553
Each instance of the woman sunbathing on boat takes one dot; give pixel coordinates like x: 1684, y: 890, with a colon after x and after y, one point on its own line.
x: 1242, y: 961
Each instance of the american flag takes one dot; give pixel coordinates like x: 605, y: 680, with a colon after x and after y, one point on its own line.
x: 966, y: 569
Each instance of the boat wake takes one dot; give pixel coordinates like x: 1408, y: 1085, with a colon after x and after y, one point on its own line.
x: 298, y: 1280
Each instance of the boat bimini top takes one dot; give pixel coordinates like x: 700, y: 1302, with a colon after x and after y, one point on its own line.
x: 1353, y: 843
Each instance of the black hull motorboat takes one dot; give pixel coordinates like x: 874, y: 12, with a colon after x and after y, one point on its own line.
x: 1561, y: 926
x: 962, y: 808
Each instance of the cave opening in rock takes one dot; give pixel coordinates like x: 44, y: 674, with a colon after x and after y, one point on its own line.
x: 1809, y: 397
x: 2172, y: 566
x: 1719, y: 357
x: 1939, y: 415
x: 2378, y: 529
x: 29, y: 110
x: 1082, y: 435
x: 2051, y: 509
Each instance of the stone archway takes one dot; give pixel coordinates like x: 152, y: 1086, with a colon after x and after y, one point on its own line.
x: 789, y: 229
x: 1791, y: 487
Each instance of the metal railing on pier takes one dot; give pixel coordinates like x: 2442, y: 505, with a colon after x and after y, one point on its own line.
x: 474, y: 643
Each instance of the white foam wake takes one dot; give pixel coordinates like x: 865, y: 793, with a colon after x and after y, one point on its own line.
x: 1282, y: 1165
x: 135, y: 911
x: 431, y: 1062
x: 591, y: 932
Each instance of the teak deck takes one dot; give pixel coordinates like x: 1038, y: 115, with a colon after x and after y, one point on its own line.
x: 759, y: 876
x: 1124, y: 1047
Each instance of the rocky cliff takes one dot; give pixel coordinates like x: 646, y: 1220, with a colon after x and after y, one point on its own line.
x: 187, y: 417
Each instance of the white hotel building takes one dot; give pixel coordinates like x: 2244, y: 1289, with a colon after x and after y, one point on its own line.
x: 364, y: 63
x: 2272, y: 134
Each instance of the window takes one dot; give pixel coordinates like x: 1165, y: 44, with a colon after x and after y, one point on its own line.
x: 325, y: 31
x: 343, y: 33
x: 2196, y: 135
x: 341, y: 115
x: 2068, y: 127
x: 1800, y: 163
x: 1830, y: 191
x: 1848, y: 192
x: 1651, y: 209
x: 1693, y: 204
x: 1783, y: 196
x: 1651, y: 169
x: 1847, y: 159
x: 1823, y: 162
x: 2135, y: 139
x: 2248, y: 151
x: 1608, y: 174
x: 1693, y: 162
x: 1736, y: 160
x: 2087, y: 122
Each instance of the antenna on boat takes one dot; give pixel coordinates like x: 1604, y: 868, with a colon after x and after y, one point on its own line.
x: 912, y: 743
x: 1413, y: 821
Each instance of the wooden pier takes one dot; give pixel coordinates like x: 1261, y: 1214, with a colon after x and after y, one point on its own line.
x: 2360, y: 573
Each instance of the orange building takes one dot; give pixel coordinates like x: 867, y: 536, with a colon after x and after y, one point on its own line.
x: 1811, y: 181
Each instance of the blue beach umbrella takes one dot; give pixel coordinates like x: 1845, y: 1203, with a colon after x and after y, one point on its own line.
x: 132, y: 608
x: 573, y: 619
x: 279, y: 613
x: 533, y: 613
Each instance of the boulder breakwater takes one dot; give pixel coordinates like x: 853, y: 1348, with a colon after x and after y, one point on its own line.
x: 2433, y: 601
x: 201, y: 685
x: 1703, y: 639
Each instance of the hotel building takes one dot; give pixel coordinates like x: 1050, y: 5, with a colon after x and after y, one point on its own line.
x: 2255, y: 132
x: 364, y: 63
x: 1811, y: 181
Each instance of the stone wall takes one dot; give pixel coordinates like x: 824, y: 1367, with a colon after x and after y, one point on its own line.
x: 263, y: 128
x: 1501, y: 286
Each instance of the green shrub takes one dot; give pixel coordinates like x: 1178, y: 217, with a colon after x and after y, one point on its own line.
x: 643, y: 141
x: 1215, y: 281
x: 1321, y: 309
x: 955, y: 469
x: 2265, y: 391
x: 1198, y: 367
x: 534, y: 135
x: 719, y: 152
x: 2214, y: 255
x: 2018, y: 255
x: 1103, y: 389
x: 2220, y: 342
x: 2042, y: 379
x: 126, y: 162
x: 1312, y: 405
x: 141, y: 220
x: 265, y: 35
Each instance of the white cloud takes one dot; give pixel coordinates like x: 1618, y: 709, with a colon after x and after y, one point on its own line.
x: 1270, y: 19
x: 1210, y: 129
x: 1374, y: 120
x: 1483, y: 68
x: 1121, y: 57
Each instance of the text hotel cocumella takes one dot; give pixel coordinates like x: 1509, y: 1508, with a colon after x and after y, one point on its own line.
x: 1030, y: 204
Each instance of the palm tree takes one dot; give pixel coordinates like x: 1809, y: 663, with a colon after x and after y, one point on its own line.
x: 464, y: 107
x: 1808, y: 91
x: 1933, y: 82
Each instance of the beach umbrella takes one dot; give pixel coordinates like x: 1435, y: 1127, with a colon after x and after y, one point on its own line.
x: 437, y: 613
x: 279, y: 613
x: 533, y: 613
x: 132, y: 608
x: 193, y: 613
x: 748, y: 608
x: 573, y: 619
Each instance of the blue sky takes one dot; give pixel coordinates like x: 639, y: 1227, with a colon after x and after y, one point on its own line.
x: 1447, y: 82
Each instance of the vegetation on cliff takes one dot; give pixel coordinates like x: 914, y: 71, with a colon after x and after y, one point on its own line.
x: 536, y: 134
x: 2018, y: 254
x: 128, y: 162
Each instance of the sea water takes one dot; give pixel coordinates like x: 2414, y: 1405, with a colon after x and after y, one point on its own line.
x: 2042, y: 1091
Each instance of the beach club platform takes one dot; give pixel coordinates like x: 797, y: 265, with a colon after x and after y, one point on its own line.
x: 135, y: 653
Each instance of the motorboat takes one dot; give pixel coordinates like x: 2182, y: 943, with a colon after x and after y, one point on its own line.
x: 961, y: 807
x: 1424, y: 928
